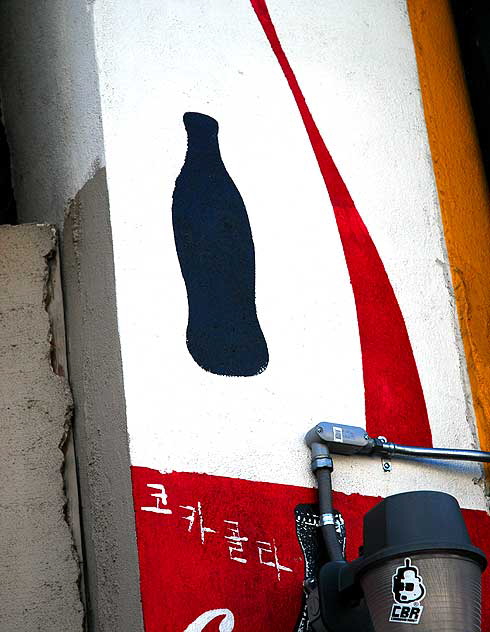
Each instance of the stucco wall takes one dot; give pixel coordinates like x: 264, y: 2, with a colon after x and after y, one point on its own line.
x: 39, y: 587
x: 96, y: 379
x: 50, y: 100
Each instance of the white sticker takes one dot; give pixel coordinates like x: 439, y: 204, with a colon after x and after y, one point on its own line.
x: 338, y: 434
x: 408, y: 591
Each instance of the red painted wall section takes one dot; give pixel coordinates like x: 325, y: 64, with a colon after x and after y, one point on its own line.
x: 208, y: 542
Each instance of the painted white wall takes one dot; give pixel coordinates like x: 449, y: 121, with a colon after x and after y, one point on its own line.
x: 356, y: 65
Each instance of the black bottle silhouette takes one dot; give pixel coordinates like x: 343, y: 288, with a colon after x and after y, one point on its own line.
x: 217, y: 258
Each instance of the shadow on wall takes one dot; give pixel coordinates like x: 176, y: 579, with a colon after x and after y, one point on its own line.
x: 472, y: 20
x: 8, y: 211
x: 51, y: 103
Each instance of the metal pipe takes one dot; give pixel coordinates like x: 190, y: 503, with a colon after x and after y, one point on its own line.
x: 447, y: 454
x: 322, y: 466
x: 327, y: 519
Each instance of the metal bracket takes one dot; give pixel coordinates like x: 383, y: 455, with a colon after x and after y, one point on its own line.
x: 385, y: 460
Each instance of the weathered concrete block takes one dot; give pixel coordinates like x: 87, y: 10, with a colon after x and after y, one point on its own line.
x: 39, y: 573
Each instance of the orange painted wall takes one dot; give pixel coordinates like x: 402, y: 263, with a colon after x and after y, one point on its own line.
x: 462, y: 189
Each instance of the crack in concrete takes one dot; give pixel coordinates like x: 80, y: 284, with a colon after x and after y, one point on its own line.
x: 53, y: 304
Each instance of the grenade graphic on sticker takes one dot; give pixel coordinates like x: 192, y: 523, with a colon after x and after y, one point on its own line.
x: 408, y: 591
x: 407, y: 583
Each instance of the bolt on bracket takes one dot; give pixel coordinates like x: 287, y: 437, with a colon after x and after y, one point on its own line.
x: 385, y: 460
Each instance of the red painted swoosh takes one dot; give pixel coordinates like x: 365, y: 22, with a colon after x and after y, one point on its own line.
x: 395, y: 404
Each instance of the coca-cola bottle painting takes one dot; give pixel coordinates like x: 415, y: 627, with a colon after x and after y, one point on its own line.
x: 217, y: 258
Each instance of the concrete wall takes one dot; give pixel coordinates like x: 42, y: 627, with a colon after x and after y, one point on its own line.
x: 50, y: 100
x: 49, y: 89
x: 100, y: 417
x: 39, y: 587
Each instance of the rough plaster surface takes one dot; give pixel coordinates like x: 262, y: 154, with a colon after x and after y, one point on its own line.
x: 50, y: 97
x: 100, y: 414
x: 39, y: 568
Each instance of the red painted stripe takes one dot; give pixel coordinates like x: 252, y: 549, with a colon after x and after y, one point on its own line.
x: 395, y: 404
